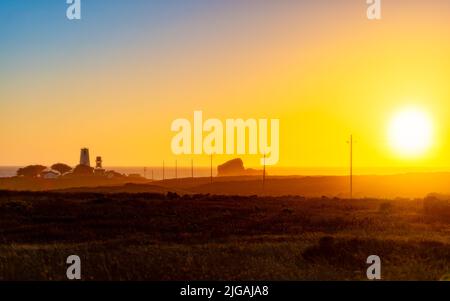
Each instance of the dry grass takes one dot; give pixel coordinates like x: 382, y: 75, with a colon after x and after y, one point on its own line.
x: 203, y: 237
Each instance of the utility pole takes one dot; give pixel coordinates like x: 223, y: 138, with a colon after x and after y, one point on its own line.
x: 351, y: 166
x: 264, y: 172
x: 163, y: 176
x: 211, y: 168
x: 145, y: 172
x: 176, y: 169
x: 152, y: 176
x: 192, y: 168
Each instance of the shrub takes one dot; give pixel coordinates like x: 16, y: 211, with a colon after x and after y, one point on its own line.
x: 437, y: 206
x: 385, y: 207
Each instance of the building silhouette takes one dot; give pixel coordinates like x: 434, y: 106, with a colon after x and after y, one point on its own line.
x: 98, y: 162
x: 84, y: 157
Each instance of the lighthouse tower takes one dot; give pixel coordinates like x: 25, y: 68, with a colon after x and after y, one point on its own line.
x: 84, y: 157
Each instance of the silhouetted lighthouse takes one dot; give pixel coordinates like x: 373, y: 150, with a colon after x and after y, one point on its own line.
x: 84, y: 157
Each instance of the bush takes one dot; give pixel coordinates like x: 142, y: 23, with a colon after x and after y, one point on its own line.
x: 385, y: 207
x: 31, y: 171
x: 437, y: 206
x: 83, y: 170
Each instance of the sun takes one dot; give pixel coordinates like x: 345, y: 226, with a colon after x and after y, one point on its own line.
x: 411, y: 132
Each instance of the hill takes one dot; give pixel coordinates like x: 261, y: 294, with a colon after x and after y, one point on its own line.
x: 413, y: 185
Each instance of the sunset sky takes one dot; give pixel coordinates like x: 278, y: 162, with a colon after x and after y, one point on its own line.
x: 115, y: 80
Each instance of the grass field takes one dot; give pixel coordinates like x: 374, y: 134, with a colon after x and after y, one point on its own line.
x: 202, y: 237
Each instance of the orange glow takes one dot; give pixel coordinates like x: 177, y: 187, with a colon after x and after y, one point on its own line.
x: 344, y: 76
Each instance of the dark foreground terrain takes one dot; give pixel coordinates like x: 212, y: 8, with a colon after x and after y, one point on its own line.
x: 201, y: 237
